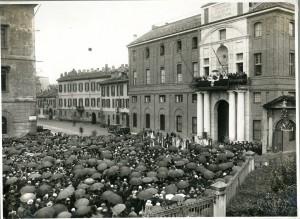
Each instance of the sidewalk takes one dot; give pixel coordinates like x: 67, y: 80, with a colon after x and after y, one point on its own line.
x: 68, y: 128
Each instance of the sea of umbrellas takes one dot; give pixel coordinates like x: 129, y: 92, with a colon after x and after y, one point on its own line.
x: 54, y: 175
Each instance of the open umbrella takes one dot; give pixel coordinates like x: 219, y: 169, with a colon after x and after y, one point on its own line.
x: 135, y: 181
x: 112, y: 197
x: 89, y: 181
x: 145, y: 195
x: 46, y: 212
x: 102, y: 166
x: 171, y: 189
x: 83, y: 186
x: 46, y: 175
x: 59, y: 208
x: 46, y: 164
x: 147, y: 179
x: 83, y: 210
x: 173, y: 149
x: 57, y: 176
x: 190, y: 201
x: 140, y: 168
x: 135, y: 174
x: 169, y: 196
x: 182, y: 184
x: 27, y: 189
x: 125, y: 171
x: 64, y: 214
x: 112, y: 171
x: 162, y: 175
x: 79, y: 193
x: 96, y: 186
x: 106, y: 154
x: 118, y: 208
x: 191, y: 166
x: 65, y: 193
x: 152, y: 190
x: 27, y: 196
x: 44, y: 189
x: 81, y: 202
x: 6, y: 168
x: 92, y: 162
x: 178, y: 198
x: 35, y: 176
x: 96, y: 176
x: 11, y: 180
x: 152, y: 174
x: 179, y: 163
x: 109, y: 163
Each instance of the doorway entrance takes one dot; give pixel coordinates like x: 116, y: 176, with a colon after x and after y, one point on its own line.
x: 50, y: 114
x: 223, y: 121
x: 94, y: 119
x: 284, y: 140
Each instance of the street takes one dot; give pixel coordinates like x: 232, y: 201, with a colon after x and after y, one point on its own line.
x: 68, y: 128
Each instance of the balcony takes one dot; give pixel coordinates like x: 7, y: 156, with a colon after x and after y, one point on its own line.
x: 219, y: 81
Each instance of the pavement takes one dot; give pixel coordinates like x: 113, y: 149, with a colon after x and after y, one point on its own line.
x: 68, y: 127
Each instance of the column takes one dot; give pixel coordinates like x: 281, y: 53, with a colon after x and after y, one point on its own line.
x: 207, y: 113
x: 241, y: 116
x: 232, y: 116
x: 199, y: 115
x: 220, y: 199
x: 270, y: 127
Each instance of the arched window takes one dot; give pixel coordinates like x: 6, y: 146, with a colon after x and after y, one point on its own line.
x: 4, y: 125
x: 179, y: 123
x: 258, y: 29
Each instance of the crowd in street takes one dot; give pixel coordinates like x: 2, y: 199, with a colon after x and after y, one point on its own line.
x: 58, y: 175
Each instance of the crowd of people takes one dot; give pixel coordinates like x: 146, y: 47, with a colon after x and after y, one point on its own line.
x: 57, y: 175
x: 225, y: 75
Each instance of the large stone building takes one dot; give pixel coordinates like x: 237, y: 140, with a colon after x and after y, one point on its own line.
x: 18, y: 69
x: 241, y: 72
x: 96, y: 96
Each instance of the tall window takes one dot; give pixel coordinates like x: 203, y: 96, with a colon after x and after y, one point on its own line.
x: 80, y: 102
x: 291, y: 29
x: 162, y: 75
x: 121, y: 89
x: 103, y: 91
x: 98, y: 86
x: 256, y: 130
x: 4, y: 78
x: 133, y: 55
x: 93, y: 102
x: 147, y: 120
x: 162, y: 49
x: 147, y: 53
x: 87, y: 86
x: 80, y: 87
x: 239, y: 62
x: 93, y: 86
x: 162, y: 122
x: 194, y: 98
x: 194, y: 42
x: 98, y: 102
x: 4, y: 36
x: 65, y: 102
x: 60, y: 88
x: 75, y: 87
x: 87, y: 102
x: 222, y: 34
x: 75, y: 102
x: 257, y: 64
x: 179, y: 73
x: 179, y: 123
x: 292, y: 64
x: 194, y: 125
x: 113, y: 90
x: 258, y: 29
x: 195, y: 69
x: 134, y: 77
x: 107, y: 91
x: 206, y: 66
x: 147, y: 99
x: 179, y: 98
x: 162, y: 98
x: 257, y: 97
x: 65, y: 88
x: 240, y: 8
x: 69, y: 102
x: 134, y: 120
x: 148, y: 79
x: 69, y: 87
x: 134, y: 99
x: 179, y: 46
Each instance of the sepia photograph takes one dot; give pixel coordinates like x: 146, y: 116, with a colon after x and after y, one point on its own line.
x: 165, y: 108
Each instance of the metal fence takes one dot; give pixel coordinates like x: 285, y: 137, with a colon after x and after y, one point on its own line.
x: 199, y: 208
x: 237, y: 180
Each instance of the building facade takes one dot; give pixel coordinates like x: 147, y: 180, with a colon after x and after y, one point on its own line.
x: 18, y: 69
x: 96, y: 96
x: 246, y: 62
x: 47, y: 102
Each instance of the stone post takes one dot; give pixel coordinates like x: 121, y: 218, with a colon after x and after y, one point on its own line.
x: 250, y: 156
x: 220, y: 199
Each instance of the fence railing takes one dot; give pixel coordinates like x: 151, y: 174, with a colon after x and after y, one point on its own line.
x: 200, y: 208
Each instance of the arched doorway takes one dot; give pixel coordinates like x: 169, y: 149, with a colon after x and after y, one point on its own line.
x: 4, y: 125
x: 223, y: 120
x: 222, y: 54
x: 94, y: 119
x: 284, y: 139
x: 50, y: 114
x: 108, y: 120
x: 118, y: 119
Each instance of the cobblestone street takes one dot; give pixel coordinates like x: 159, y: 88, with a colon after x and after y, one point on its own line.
x: 68, y: 127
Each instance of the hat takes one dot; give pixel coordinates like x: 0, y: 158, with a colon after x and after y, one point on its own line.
x: 73, y: 209
x: 30, y: 201
x: 49, y: 204
x: 157, y: 204
x: 54, y: 194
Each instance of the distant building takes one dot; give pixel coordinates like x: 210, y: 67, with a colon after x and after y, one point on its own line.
x: 47, y: 102
x: 42, y: 83
x: 18, y: 69
x: 228, y: 74
x: 96, y: 96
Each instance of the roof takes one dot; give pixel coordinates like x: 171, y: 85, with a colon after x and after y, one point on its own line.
x: 267, y: 5
x: 48, y: 93
x: 195, y: 21
x: 170, y: 28
x: 120, y: 79
x: 277, y: 102
x: 84, y: 75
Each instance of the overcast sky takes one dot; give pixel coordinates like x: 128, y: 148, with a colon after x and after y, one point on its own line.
x: 65, y: 31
